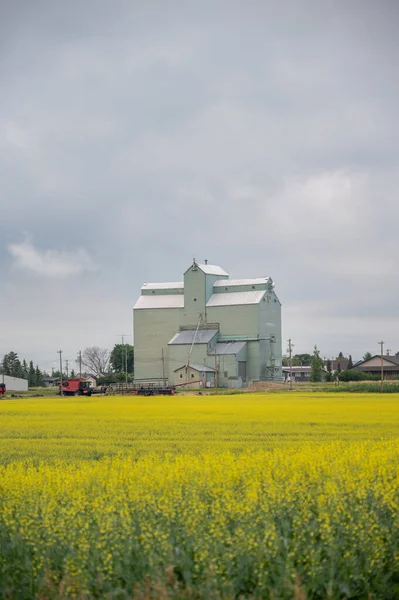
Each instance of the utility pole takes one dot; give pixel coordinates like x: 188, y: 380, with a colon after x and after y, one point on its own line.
x: 163, y: 369
x: 60, y: 353
x: 382, y: 365
x: 124, y: 354
x: 216, y: 373
x: 290, y: 346
x: 67, y: 368
x: 80, y: 364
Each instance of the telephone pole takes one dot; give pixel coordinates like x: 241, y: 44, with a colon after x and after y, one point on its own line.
x: 382, y: 365
x: 124, y: 353
x: 290, y: 347
x: 80, y: 363
x: 163, y: 369
x: 60, y: 353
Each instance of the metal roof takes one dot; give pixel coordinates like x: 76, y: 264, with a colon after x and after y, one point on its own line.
x: 169, y: 285
x: 160, y: 301
x: 212, y: 270
x: 235, y: 298
x: 186, y: 337
x: 229, y: 347
x: 197, y: 367
x: 233, y: 282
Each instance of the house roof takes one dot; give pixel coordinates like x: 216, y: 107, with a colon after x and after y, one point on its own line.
x: 197, y: 367
x: 237, y: 282
x: 168, y: 285
x: 392, y: 359
x: 235, y: 298
x: 202, y: 336
x: 229, y: 347
x: 160, y: 301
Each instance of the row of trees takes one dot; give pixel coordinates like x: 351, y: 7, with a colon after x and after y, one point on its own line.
x: 305, y: 360
x: 11, y: 365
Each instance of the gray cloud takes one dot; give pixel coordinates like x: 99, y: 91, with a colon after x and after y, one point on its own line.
x: 262, y: 136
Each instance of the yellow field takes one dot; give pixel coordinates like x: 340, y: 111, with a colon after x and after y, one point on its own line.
x: 266, y: 496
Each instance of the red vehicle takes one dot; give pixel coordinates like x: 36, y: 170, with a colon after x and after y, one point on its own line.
x: 3, y: 389
x: 75, y: 387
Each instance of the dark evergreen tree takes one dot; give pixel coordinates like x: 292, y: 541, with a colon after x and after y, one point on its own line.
x: 31, y: 375
x: 368, y: 355
x: 350, y: 362
x: 24, y: 369
x: 38, y: 377
x: 329, y: 375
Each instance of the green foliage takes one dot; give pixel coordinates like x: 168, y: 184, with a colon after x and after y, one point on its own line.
x: 357, y: 375
x: 107, y: 379
x: 350, y: 362
x: 317, y: 366
x: 367, y: 356
x: 118, y: 358
x: 329, y: 375
x: 11, y: 365
x: 302, y: 360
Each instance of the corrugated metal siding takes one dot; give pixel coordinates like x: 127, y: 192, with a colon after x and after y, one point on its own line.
x: 173, y: 285
x: 213, y: 270
x: 238, y: 282
x: 229, y: 347
x: 236, y: 298
x: 160, y: 301
x: 202, y: 336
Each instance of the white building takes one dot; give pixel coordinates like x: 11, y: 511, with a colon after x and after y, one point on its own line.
x: 14, y: 384
x: 227, y: 330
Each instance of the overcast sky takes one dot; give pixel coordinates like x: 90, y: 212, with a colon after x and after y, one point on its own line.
x: 261, y: 135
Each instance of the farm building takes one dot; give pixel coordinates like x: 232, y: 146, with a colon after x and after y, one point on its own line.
x: 14, y: 384
x: 208, y: 329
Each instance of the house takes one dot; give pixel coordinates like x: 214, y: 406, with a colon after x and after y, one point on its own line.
x: 51, y: 381
x: 372, y: 366
x: 232, y: 326
x: 195, y: 376
x: 90, y: 378
x: 300, y: 374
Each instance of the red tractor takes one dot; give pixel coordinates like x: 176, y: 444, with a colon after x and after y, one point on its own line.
x: 3, y: 389
x: 75, y: 387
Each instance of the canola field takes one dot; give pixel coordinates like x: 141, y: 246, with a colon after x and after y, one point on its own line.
x: 274, y: 496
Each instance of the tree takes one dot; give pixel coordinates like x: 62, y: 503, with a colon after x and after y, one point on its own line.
x: 368, y: 355
x: 24, y: 369
x: 316, y: 366
x: 329, y: 376
x: 31, y: 375
x: 73, y: 374
x: 302, y: 360
x: 96, y: 360
x: 350, y: 362
x: 12, y: 365
x: 118, y: 358
x: 38, y: 377
x: 339, y: 368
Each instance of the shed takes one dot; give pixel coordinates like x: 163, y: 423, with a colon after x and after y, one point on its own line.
x: 194, y: 376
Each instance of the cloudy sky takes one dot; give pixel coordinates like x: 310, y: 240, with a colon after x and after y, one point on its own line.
x: 261, y: 135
